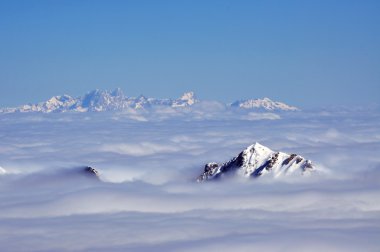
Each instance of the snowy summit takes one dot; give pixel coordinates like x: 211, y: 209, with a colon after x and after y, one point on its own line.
x: 258, y: 160
x: 266, y: 104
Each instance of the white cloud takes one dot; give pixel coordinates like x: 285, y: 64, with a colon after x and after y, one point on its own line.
x: 252, y: 116
x: 139, y: 149
x: 147, y: 199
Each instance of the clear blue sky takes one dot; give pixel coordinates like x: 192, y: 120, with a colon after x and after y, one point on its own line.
x: 306, y: 53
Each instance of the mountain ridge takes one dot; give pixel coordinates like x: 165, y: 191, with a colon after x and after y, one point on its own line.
x: 102, y: 100
x: 255, y: 161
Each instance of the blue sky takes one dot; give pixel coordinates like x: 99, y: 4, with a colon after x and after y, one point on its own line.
x: 306, y: 53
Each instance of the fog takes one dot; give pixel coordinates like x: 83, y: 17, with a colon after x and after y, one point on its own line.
x: 147, y: 199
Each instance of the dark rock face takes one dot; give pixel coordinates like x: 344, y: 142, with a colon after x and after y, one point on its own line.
x: 286, y: 161
x: 91, y: 171
x: 272, y: 161
x: 210, y: 166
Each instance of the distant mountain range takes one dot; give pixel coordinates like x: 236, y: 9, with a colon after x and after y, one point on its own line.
x: 99, y: 100
x: 255, y: 161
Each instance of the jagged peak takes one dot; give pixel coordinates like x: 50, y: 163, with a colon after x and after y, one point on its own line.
x: 63, y: 97
x: 264, y: 103
x: 118, y: 92
x: 141, y: 97
x: 258, y: 148
x: 188, y: 96
x: 257, y: 160
x: 266, y: 99
x: 257, y: 145
x: 94, y: 91
x: 103, y: 100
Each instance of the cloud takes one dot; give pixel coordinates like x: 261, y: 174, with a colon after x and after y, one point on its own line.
x: 139, y: 149
x: 261, y: 116
x: 147, y: 200
x: 2, y: 170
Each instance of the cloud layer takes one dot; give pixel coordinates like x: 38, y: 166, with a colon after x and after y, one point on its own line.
x: 147, y: 199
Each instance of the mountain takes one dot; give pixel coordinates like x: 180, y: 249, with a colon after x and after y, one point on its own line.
x: 255, y: 161
x: 55, y: 104
x: 102, y: 100
x: 187, y: 99
x: 265, y: 104
x: 99, y: 100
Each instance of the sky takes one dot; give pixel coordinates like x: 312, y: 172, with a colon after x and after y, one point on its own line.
x: 305, y: 53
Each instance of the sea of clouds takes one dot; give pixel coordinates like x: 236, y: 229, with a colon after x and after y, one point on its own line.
x: 147, y: 198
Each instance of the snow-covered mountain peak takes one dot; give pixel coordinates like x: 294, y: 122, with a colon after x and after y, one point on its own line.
x: 188, y: 96
x: 257, y: 160
x: 103, y: 100
x: 59, y: 100
x: 96, y: 100
x: 187, y: 99
x: 141, y: 98
x: 265, y: 103
x: 260, y: 151
x: 258, y: 148
x: 118, y: 92
x: 92, y: 95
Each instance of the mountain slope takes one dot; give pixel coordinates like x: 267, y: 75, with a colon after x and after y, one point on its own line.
x: 257, y: 160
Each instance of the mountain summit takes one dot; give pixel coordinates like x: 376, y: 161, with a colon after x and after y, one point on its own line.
x: 255, y: 161
x: 265, y: 104
x: 187, y: 99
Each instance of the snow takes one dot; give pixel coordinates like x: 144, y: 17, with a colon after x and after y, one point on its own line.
x: 103, y: 100
x: 265, y: 103
x: 187, y: 99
